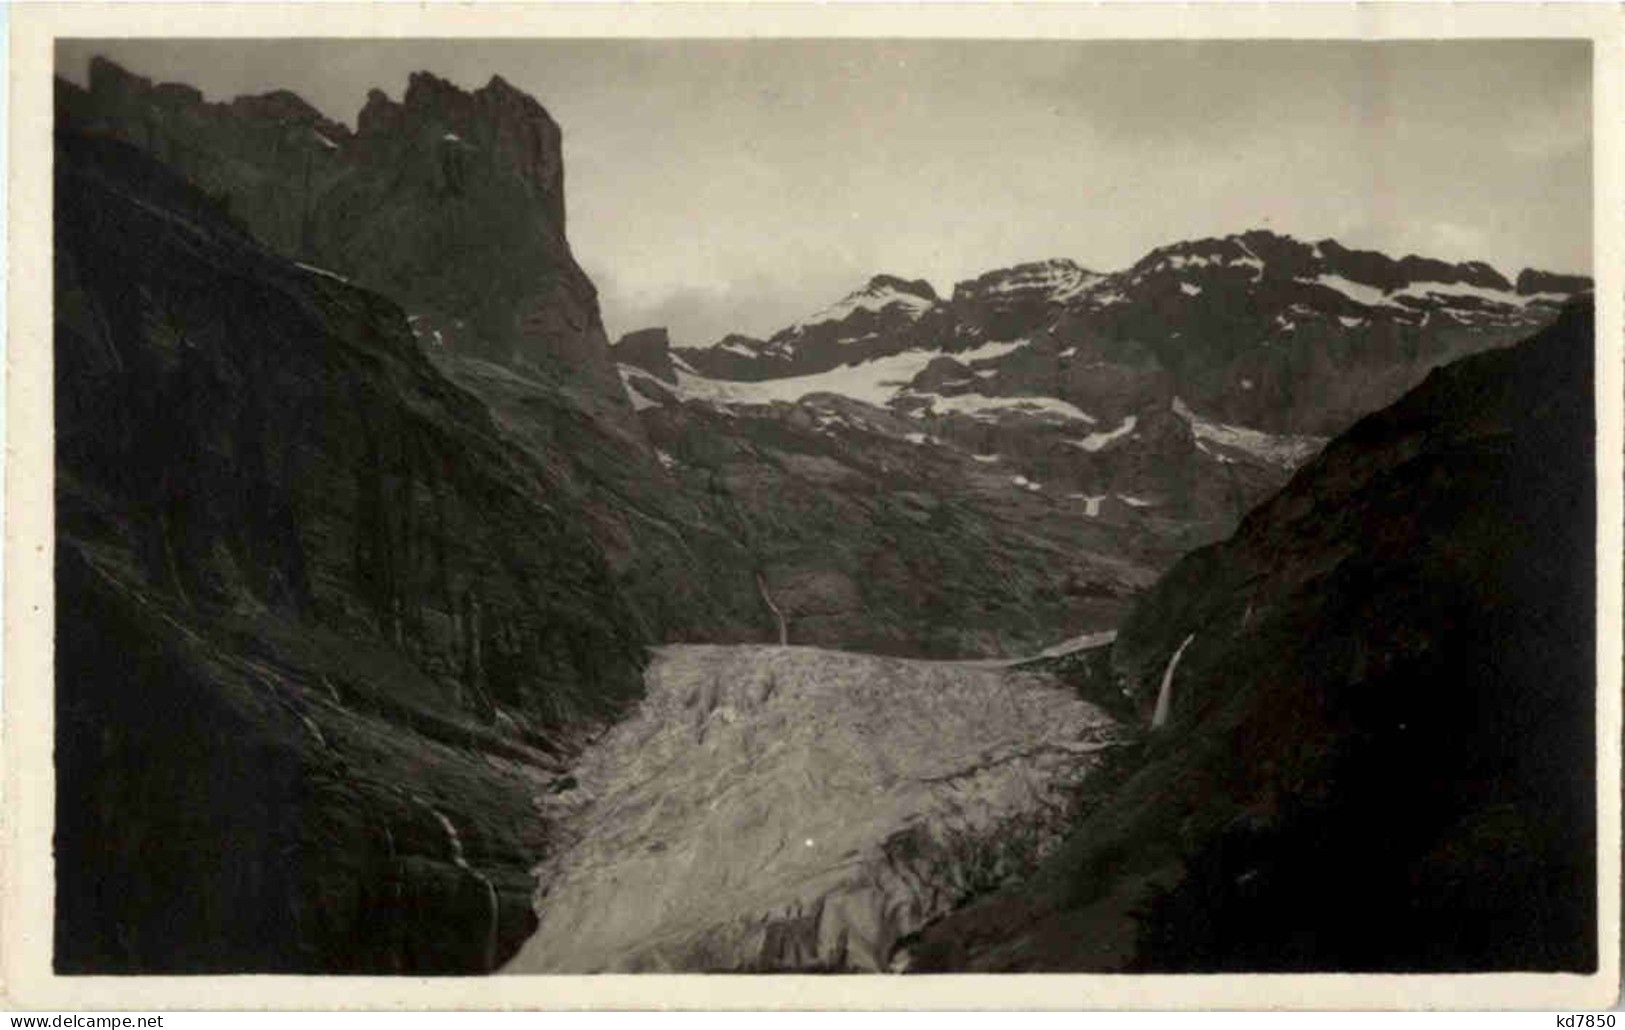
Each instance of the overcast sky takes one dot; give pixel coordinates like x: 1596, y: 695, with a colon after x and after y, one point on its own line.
x: 717, y: 186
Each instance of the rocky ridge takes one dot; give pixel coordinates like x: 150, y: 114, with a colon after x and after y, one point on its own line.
x: 1256, y: 329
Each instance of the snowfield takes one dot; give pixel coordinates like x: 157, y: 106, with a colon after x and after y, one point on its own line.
x: 874, y: 382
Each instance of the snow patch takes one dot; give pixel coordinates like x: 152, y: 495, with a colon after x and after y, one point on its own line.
x: 639, y: 401
x: 1091, y: 503
x: 1427, y: 290
x: 322, y: 271
x: 1098, y: 441
x: 978, y: 406
x: 1545, y: 298
x: 1190, y: 289
x: 1360, y: 293
x: 873, y: 382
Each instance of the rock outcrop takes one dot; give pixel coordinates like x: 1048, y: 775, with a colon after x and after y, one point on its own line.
x: 650, y: 350
x: 1379, y: 713
x: 1556, y: 286
x: 323, y: 630
x: 787, y: 809
x: 451, y: 203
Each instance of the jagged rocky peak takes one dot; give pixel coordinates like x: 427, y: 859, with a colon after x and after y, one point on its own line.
x: 497, y: 114
x: 1229, y: 251
x: 112, y: 84
x: 648, y: 349
x: 448, y: 201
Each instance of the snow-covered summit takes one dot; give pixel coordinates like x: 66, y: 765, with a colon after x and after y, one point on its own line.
x: 1054, y: 279
x: 882, y: 293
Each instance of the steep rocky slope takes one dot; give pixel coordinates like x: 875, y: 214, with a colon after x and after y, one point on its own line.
x: 451, y: 203
x: 1374, y: 707
x: 784, y: 809
x: 323, y: 630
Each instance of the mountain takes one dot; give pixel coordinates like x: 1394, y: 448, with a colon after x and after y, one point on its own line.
x: 366, y: 536
x: 1173, y: 395
x: 449, y: 202
x: 1257, y: 329
x: 323, y: 631
x: 1371, y: 713
x: 883, y: 317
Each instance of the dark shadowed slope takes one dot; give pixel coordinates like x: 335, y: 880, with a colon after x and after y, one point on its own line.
x: 1379, y: 748
x: 322, y: 631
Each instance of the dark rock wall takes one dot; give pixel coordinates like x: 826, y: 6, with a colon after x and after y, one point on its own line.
x: 280, y: 527
x: 448, y: 202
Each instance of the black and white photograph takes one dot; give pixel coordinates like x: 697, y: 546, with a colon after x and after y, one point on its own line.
x: 883, y: 506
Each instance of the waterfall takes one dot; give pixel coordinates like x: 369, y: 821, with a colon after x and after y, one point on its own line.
x: 784, y: 631
x: 1165, y: 696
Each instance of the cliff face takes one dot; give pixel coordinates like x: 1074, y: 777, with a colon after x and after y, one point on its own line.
x: 1374, y: 708
x: 448, y: 202
x: 323, y: 630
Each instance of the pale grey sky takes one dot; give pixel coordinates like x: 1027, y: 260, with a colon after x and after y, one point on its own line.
x: 718, y: 186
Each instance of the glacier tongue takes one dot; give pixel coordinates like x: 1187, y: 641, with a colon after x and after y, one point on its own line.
x: 789, y: 808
